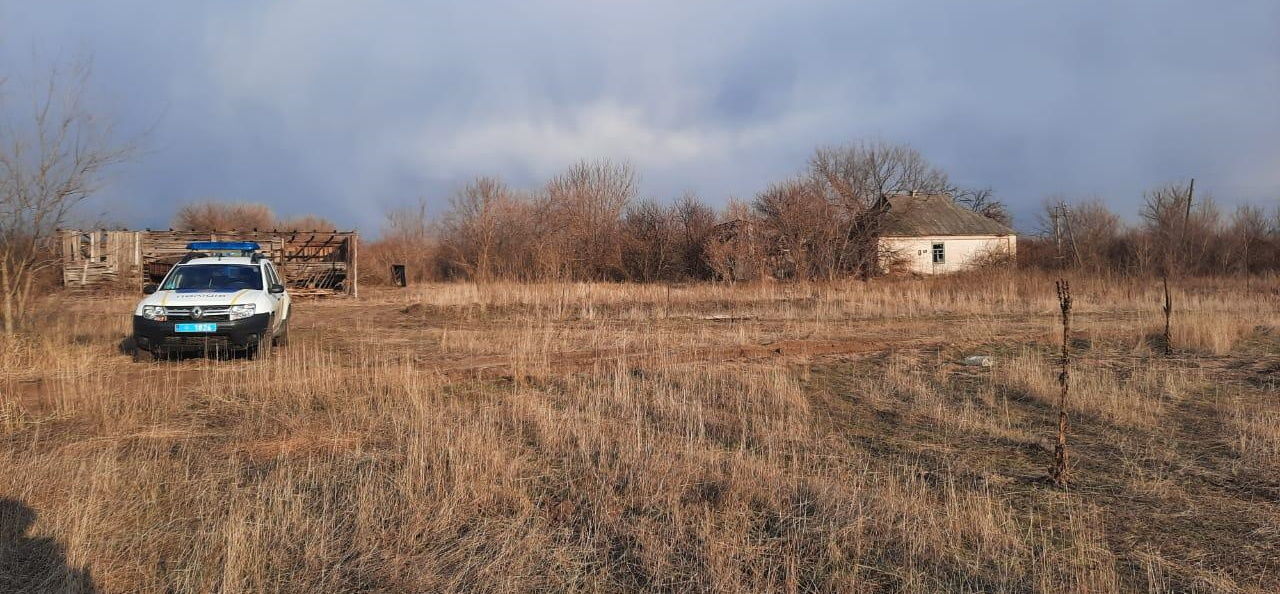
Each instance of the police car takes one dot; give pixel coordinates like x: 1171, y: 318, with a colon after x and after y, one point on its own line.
x: 222, y: 296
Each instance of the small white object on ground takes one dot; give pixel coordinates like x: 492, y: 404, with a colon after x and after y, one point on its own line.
x: 979, y: 361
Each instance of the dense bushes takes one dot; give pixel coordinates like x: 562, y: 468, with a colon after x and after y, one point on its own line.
x: 1194, y: 239
x: 588, y: 224
x: 211, y: 215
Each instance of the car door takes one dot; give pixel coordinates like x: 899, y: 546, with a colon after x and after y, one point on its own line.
x: 277, y: 305
x: 282, y: 300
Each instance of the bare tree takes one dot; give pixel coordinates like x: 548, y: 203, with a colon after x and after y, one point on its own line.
x: 584, y: 207
x: 984, y: 202
x: 211, y: 215
x: 1167, y: 211
x: 478, y: 226
x: 52, y: 158
x: 1188, y: 234
x: 859, y: 175
x: 843, y: 194
x: 1249, y: 236
x: 1094, y: 233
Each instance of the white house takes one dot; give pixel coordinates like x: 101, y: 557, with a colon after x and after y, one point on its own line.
x: 931, y: 234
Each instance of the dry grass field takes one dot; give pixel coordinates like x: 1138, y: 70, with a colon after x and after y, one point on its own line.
x: 619, y: 437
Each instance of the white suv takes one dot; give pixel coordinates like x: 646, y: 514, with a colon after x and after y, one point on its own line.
x: 222, y: 295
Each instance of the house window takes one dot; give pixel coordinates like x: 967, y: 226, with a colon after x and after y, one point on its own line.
x: 939, y: 254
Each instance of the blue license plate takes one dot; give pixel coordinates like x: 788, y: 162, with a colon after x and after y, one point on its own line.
x: 206, y: 327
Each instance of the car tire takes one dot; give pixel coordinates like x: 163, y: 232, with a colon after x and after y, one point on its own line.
x: 141, y: 355
x: 282, y: 337
x: 262, y: 350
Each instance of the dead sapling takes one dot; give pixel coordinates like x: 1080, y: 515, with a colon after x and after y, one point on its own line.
x: 1059, y: 472
x: 1170, y: 264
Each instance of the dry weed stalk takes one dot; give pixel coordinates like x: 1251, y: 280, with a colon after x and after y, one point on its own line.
x: 1059, y: 471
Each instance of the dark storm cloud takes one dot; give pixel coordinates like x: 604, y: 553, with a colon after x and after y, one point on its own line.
x: 345, y: 108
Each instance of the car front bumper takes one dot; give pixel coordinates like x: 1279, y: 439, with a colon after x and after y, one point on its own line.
x: 239, y: 334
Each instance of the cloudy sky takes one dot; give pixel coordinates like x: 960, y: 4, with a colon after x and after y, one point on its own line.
x: 346, y: 108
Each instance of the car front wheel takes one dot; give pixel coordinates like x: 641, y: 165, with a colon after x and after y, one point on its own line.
x: 281, y: 338
x: 262, y: 350
x: 141, y: 355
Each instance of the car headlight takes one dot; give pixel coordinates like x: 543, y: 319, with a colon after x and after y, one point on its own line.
x: 154, y: 312
x: 240, y: 312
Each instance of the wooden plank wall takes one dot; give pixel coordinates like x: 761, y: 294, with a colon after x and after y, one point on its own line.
x: 317, y: 263
x: 96, y: 258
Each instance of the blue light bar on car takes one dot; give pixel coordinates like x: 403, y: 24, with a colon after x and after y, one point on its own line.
x: 223, y: 246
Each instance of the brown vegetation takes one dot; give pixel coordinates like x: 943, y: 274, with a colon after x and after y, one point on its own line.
x: 1175, y: 230
x: 587, y: 224
x: 224, y: 216
x: 821, y: 225
x: 214, y: 215
x: 586, y: 437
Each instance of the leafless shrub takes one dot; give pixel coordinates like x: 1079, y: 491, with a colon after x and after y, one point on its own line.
x: 488, y: 232
x: 212, y: 215
x: 993, y: 258
x: 306, y: 223
x: 804, y: 230
x: 652, y: 242
x: 694, y: 221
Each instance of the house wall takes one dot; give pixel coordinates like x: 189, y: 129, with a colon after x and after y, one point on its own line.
x: 915, y: 253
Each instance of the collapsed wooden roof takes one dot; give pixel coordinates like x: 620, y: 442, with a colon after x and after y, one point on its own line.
x: 312, y: 262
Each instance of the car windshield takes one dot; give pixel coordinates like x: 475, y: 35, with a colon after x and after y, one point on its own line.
x: 213, y: 277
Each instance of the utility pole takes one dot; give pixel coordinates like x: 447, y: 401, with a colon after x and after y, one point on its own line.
x: 1071, y: 234
x: 1054, y: 213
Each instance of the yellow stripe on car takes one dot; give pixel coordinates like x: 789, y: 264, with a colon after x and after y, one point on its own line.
x: 238, y: 294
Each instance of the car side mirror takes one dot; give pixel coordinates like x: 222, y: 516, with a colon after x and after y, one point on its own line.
x: 149, y: 288
x: 276, y: 289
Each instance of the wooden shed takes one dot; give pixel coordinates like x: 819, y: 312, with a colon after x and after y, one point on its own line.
x: 319, y: 263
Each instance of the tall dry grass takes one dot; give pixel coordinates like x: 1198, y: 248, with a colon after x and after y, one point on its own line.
x: 368, y: 457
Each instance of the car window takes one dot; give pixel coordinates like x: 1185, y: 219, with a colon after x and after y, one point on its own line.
x: 272, y: 276
x: 213, y: 277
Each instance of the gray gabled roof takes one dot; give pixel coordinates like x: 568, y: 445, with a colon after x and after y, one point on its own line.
x: 935, y: 214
